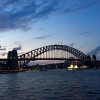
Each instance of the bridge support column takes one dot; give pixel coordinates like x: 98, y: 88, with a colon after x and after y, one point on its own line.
x: 12, y: 60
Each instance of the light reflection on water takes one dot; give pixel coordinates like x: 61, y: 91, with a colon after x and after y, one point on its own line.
x: 51, y: 85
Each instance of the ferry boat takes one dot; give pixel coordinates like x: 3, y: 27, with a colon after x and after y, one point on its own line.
x: 73, y: 67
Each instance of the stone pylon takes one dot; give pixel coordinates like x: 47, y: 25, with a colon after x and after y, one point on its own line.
x: 12, y: 59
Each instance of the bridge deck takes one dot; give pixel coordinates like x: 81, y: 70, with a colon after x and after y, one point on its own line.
x: 31, y: 59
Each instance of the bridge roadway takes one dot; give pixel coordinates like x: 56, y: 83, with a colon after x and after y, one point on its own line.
x: 31, y: 59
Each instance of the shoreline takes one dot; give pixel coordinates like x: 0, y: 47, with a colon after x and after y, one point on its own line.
x: 11, y: 71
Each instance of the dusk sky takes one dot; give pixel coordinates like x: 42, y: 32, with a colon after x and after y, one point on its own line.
x: 29, y: 24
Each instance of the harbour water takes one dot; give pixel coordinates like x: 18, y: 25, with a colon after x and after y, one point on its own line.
x: 59, y: 84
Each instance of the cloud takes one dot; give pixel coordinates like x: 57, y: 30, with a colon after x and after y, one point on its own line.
x: 17, y: 16
x: 72, y: 44
x: 17, y: 43
x: 83, y: 33
x: 4, y: 54
x: 17, y: 48
x: 20, y: 14
x: 40, y: 28
x: 42, y: 37
x: 96, y: 52
x: 2, y: 48
x: 80, y: 5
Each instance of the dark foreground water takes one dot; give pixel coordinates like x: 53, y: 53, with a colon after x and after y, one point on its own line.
x: 51, y: 85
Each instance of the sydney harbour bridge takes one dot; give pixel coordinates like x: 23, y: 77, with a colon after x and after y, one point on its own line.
x: 51, y: 52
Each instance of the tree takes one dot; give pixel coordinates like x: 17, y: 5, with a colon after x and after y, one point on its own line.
x: 88, y: 57
x: 94, y: 57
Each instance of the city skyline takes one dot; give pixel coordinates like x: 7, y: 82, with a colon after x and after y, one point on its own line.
x: 26, y: 25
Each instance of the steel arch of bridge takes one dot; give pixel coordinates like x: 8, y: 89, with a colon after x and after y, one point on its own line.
x: 33, y: 55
